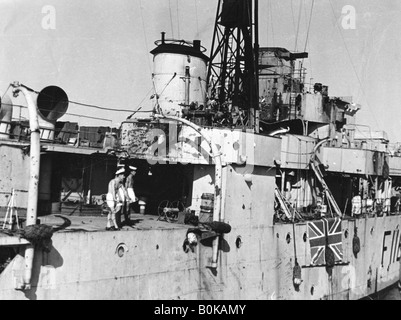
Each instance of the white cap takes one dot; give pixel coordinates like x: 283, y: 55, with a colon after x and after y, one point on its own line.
x: 192, y: 239
x: 120, y: 171
x: 132, y: 168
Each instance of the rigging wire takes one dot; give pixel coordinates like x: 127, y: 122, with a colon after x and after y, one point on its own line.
x: 5, y: 92
x: 197, y: 20
x: 352, y: 64
x: 144, y: 33
x: 267, y: 26
x: 293, y: 17
x: 310, y: 21
x: 98, y: 107
x: 139, y: 107
x: 178, y: 20
x: 299, y: 23
x: 69, y: 114
x: 91, y: 105
x: 157, y: 95
x: 171, y: 18
x: 307, y: 44
x: 271, y: 21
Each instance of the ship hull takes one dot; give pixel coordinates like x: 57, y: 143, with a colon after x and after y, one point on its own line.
x: 150, y: 263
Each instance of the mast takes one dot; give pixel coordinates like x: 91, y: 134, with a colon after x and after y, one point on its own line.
x: 233, y: 67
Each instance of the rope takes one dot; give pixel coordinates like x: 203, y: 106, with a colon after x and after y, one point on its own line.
x: 299, y: 22
x: 38, y: 235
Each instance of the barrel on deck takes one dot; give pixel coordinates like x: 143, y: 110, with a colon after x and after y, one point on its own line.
x: 207, y: 206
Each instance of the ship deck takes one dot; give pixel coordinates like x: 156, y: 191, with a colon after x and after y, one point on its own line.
x: 66, y: 223
x: 74, y: 223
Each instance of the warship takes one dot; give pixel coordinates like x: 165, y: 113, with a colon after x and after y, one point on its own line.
x: 251, y: 184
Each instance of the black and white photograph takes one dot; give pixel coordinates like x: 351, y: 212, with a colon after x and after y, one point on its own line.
x: 200, y: 155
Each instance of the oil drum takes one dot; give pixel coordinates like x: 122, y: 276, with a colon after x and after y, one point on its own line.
x: 207, y: 205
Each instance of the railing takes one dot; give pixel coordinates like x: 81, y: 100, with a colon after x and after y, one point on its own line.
x: 19, y: 131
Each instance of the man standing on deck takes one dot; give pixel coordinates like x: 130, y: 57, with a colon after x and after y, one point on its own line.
x: 129, y: 186
x: 115, y: 200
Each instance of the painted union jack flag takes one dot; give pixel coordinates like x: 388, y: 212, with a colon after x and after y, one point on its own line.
x: 323, y: 233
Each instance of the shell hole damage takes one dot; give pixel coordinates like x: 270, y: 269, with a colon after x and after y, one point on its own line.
x: 238, y: 242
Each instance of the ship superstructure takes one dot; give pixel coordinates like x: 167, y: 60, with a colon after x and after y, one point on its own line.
x: 253, y: 185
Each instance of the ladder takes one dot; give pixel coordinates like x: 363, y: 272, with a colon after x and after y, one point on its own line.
x: 11, y: 212
x: 285, y: 205
x: 326, y: 189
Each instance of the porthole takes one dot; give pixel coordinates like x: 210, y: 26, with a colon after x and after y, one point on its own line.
x: 121, y: 249
x: 238, y: 242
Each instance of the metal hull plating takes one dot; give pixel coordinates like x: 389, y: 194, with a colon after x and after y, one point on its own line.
x: 305, y: 208
x: 154, y: 266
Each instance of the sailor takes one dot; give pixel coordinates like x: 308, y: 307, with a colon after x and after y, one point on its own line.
x: 115, y: 199
x: 321, y: 208
x: 130, y: 193
x: 356, y: 205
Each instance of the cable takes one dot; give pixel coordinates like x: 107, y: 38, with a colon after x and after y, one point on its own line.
x: 144, y: 33
x: 178, y: 21
x: 171, y: 18
x: 97, y: 107
x: 139, y: 106
x: 5, y: 92
x: 197, y: 20
x: 310, y: 20
x: 90, y: 105
x: 299, y: 23
x: 168, y: 83
x: 69, y: 114
x: 352, y: 64
x: 271, y: 21
x: 307, y: 37
x: 293, y: 17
